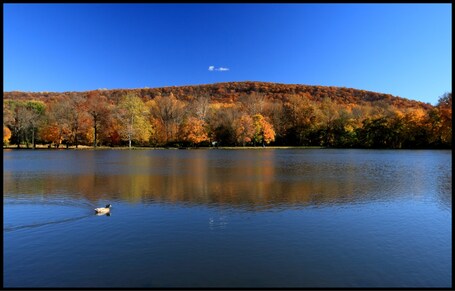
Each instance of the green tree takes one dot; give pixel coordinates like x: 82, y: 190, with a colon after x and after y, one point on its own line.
x: 37, y: 111
x: 24, y: 118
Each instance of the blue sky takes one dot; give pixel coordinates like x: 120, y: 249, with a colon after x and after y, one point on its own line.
x: 401, y: 49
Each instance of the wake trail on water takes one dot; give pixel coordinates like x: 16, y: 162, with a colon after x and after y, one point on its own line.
x: 80, y: 204
x: 66, y: 203
x: 13, y: 228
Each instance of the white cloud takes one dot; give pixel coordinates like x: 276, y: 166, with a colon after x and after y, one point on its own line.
x: 220, y: 69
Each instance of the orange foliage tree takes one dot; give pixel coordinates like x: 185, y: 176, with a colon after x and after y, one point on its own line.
x: 194, y: 130
x: 51, y: 133
x: 444, y: 119
x: 6, y: 135
x: 169, y: 111
x: 244, y: 129
x: 98, y: 108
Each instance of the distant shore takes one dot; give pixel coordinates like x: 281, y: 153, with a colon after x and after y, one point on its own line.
x: 84, y: 147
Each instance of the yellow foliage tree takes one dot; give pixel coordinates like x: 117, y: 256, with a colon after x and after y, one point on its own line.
x: 131, y: 112
x: 263, y: 130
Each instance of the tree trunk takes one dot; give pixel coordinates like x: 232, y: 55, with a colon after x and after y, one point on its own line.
x: 27, y: 143
x: 33, y: 138
x: 75, y: 135
x: 18, y: 139
x: 130, y: 135
x: 94, y: 140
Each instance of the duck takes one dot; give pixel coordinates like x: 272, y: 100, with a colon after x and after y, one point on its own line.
x: 103, y: 210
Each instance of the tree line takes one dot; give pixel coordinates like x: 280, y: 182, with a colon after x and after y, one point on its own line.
x: 252, y: 118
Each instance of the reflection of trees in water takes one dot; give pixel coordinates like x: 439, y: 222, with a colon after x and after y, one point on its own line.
x: 257, y: 181
x: 243, y: 187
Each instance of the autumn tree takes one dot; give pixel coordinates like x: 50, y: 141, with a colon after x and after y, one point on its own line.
x: 57, y: 127
x: 76, y: 118
x: 169, y: 112
x: 263, y: 130
x: 8, y: 120
x: 244, y: 129
x: 440, y: 122
x: 51, y: 133
x: 300, y: 118
x: 221, y: 123
x: 199, y: 107
x: 131, y: 113
x: 66, y: 120
x: 6, y: 135
x: 194, y: 130
x: 411, y: 127
x: 98, y: 108
x: 444, y: 108
x: 329, y: 112
x: 17, y: 120
x: 253, y: 103
x: 276, y: 114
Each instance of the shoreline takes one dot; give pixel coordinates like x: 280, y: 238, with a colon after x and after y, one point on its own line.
x: 41, y: 147
x: 104, y: 148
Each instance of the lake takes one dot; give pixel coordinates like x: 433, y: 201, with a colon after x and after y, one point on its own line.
x: 228, y: 218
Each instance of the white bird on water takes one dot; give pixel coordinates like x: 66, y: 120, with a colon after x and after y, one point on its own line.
x: 103, y: 210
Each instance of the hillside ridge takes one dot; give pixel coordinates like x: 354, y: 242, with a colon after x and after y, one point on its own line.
x: 227, y: 92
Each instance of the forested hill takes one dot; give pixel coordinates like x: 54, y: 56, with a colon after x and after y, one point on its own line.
x: 230, y: 114
x: 230, y: 92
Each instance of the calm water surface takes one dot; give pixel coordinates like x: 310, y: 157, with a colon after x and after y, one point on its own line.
x: 227, y: 218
